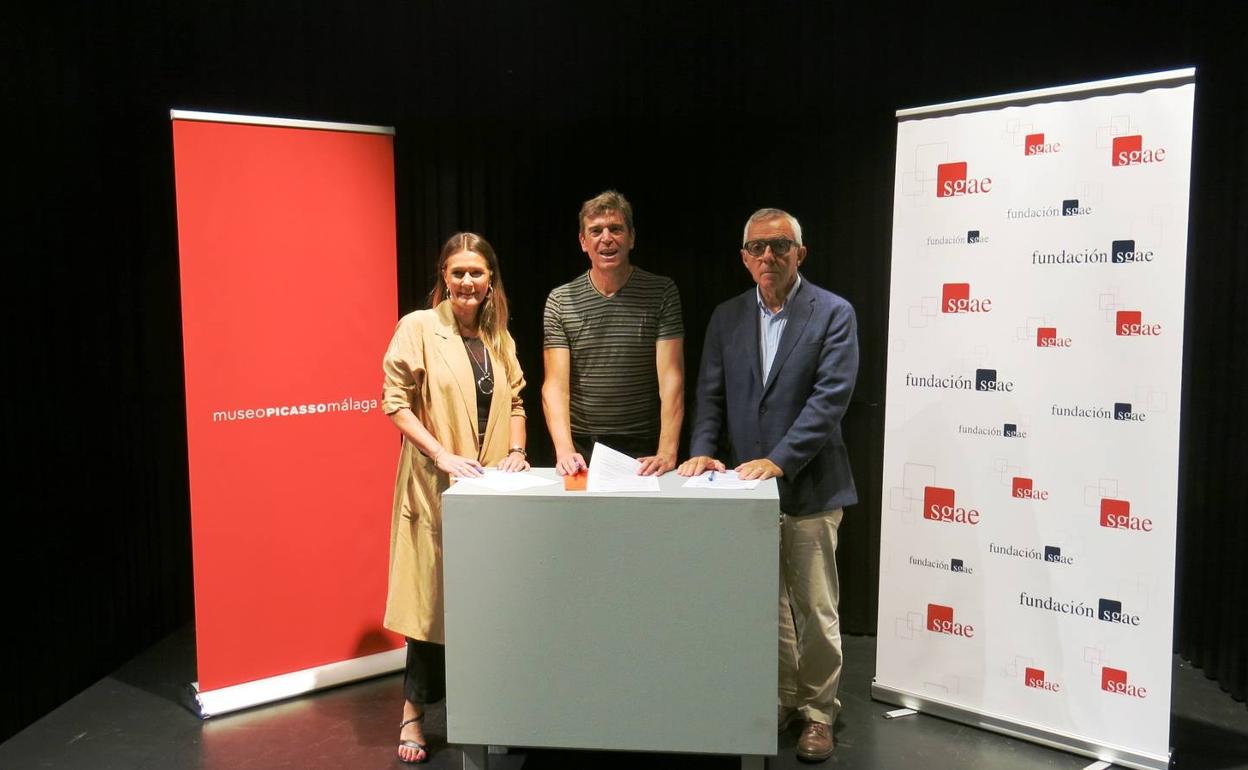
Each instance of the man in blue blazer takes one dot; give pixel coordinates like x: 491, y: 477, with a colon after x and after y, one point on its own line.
x: 777, y: 372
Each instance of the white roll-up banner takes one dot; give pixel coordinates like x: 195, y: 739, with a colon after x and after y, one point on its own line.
x: 1032, y: 424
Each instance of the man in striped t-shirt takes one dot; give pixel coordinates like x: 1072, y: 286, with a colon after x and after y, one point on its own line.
x: 613, y: 351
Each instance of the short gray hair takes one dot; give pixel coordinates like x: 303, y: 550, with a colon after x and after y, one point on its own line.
x: 766, y: 215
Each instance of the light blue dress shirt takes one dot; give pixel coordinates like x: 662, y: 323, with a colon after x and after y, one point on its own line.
x: 771, y: 326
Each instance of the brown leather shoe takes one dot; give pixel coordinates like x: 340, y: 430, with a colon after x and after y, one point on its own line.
x: 816, y: 743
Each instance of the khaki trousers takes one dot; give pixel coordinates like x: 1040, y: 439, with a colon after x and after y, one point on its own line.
x: 810, y: 626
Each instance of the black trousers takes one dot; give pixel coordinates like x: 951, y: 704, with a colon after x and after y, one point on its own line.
x: 424, y: 680
x: 633, y: 446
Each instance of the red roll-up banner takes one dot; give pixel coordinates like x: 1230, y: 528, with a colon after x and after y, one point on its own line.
x: 287, y: 249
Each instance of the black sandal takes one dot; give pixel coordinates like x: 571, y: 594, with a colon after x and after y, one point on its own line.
x: 413, y: 744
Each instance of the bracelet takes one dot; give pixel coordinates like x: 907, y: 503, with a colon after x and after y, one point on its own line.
x: 519, y: 449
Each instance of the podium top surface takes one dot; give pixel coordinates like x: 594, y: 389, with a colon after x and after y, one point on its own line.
x: 671, y: 487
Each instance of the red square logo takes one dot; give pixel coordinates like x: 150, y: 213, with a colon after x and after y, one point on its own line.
x: 949, y: 172
x: 950, y: 293
x: 1112, y: 676
x: 1045, y: 333
x: 1115, y: 508
x: 1021, y: 484
x: 937, y: 613
x: 936, y: 497
x: 1126, y: 145
x: 1032, y: 142
x: 1033, y: 677
x: 1125, y: 319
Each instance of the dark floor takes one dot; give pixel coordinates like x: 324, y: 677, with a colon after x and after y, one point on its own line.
x: 133, y: 720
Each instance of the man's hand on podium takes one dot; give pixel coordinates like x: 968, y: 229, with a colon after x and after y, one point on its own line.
x: 656, y: 464
x: 696, y: 466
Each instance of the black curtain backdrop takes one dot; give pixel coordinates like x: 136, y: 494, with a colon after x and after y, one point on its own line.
x: 508, y: 116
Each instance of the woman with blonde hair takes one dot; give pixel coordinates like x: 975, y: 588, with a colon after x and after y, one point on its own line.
x: 452, y: 388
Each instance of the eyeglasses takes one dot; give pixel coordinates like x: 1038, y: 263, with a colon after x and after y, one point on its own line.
x: 779, y: 247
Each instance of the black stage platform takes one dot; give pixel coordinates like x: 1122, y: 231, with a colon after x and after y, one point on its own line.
x: 133, y: 720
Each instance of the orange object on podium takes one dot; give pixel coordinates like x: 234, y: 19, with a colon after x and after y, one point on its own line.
x: 576, y: 482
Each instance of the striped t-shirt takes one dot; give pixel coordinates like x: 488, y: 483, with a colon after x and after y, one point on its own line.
x: 613, y: 380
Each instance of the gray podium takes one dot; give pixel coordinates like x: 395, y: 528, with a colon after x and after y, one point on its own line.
x: 624, y: 621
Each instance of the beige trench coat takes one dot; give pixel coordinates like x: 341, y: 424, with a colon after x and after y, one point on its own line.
x: 427, y: 370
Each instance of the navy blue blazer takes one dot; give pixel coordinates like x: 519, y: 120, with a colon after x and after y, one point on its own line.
x: 793, y: 419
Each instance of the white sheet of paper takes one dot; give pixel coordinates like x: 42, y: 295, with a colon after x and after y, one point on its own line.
x: 612, y: 471
x: 502, y: 481
x: 721, y: 480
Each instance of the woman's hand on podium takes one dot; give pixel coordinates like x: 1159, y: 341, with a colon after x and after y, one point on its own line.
x: 513, y: 462
x: 456, y: 465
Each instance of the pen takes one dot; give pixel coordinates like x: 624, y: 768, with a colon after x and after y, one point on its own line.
x: 711, y: 477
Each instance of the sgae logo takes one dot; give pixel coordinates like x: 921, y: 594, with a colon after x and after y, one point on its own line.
x: 1034, y: 677
x: 1034, y: 144
x: 1130, y: 151
x: 940, y: 620
x: 1115, y: 680
x: 1053, y: 553
x: 1111, y: 611
x: 1046, y: 337
x: 1124, y: 251
x: 1071, y: 208
x: 951, y: 181
x: 1130, y: 323
x: 956, y: 298
x: 938, y: 505
x: 1116, y: 514
x: 986, y: 380
x: 1024, y: 489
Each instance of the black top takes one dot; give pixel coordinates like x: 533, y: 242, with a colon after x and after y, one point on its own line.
x: 483, y: 374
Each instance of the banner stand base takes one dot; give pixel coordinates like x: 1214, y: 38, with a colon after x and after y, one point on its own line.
x: 1028, y: 732
x: 223, y: 700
